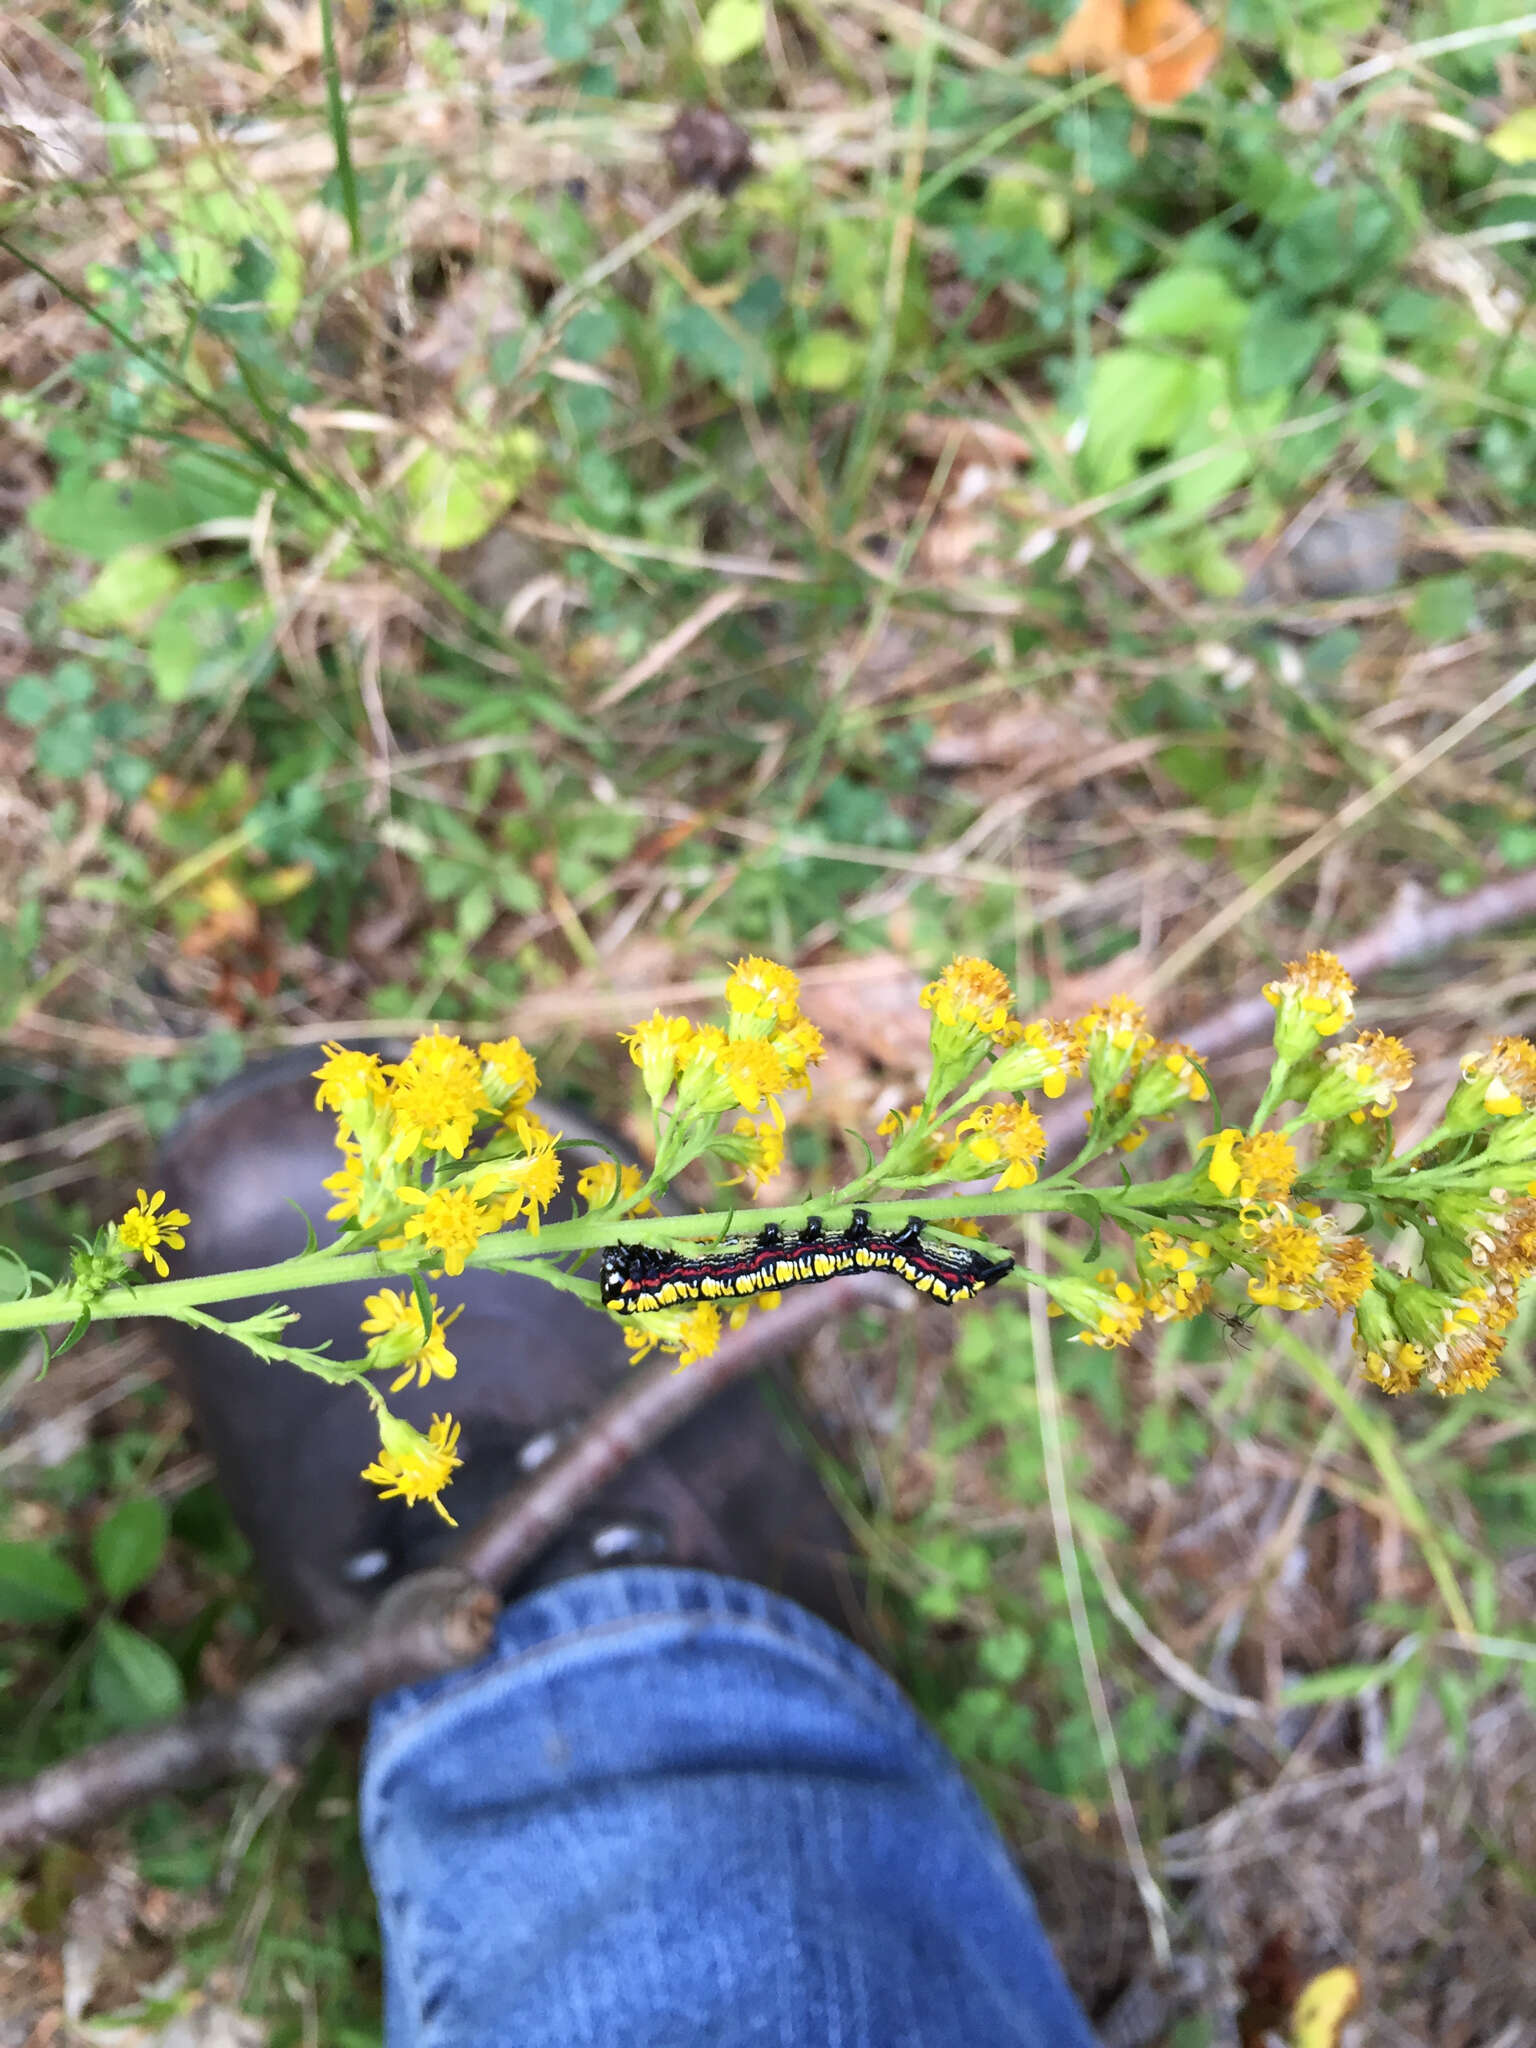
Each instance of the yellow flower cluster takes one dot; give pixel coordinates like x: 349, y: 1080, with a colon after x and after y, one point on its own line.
x: 767, y: 1047
x: 439, y: 1150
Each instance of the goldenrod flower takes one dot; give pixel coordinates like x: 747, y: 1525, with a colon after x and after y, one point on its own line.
x: 346, y: 1184
x: 799, y: 1045
x: 1388, y: 1359
x: 690, y: 1334
x: 1314, y: 1000
x: 1165, y: 1075
x: 913, y: 1155
x: 970, y: 995
x: 1367, y: 1073
x: 658, y: 1047
x: 394, y: 1323
x: 350, y: 1082
x: 738, y: 1311
x: 1396, y: 1367
x: 449, y: 1221
x: 1044, y: 1054
x: 413, y: 1467
x: 1262, y: 1168
x: 1109, y: 1308
x: 1347, y: 1267
x: 436, y: 1097
x: 508, y: 1074
x: 148, y: 1225
x: 757, y: 1148
x: 1117, y: 1039
x: 1292, y: 1257
x: 1173, y: 1276
x: 763, y: 993
x: 1464, y: 1350
x: 1000, y: 1133
x: 1497, y: 1082
x: 599, y: 1185
x: 525, y: 1185
x: 753, y: 1071
x: 724, y: 1071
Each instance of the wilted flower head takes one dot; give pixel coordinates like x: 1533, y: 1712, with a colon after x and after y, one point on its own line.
x: 1499, y: 1081
x: 1364, y: 1075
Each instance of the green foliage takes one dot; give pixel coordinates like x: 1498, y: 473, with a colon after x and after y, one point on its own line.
x: 38, y: 1585
x: 132, y: 1679
x: 127, y: 1547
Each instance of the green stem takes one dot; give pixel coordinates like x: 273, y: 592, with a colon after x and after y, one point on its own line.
x: 1274, y: 1089
x: 507, y: 1251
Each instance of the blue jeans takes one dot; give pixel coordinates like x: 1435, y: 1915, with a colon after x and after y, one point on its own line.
x: 675, y: 1811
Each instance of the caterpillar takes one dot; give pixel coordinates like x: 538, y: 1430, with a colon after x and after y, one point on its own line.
x: 638, y: 1277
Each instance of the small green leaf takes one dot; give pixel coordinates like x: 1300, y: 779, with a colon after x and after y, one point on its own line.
x: 1517, y: 848
x: 1005, y: 1655
x: 30, y: 700
x: 457, y: 496
x: 1279, y: 346
x: 1137, y: 402
x: 212, y: 638
x: 731, y: 29
x: 568, y: 25
x: 132, y: 1680
x: 1344, y: 1682
x: 1443, y: 608
x: 128, y: 1545
x: 423, y: 1296
x: 35, y: 1585
x: 129, y: 146
x: 77, y: 1330
x: 825, y: 360
x: 15, y: 1276
x: 126, y: 595
x: 67, y: 747
x: 1187, y: 305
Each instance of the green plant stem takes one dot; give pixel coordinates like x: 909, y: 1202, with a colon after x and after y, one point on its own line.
x: 507, y: 1251
x: 336, y: 116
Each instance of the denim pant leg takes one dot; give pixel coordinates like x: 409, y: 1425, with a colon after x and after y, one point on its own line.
x: 671, y: 1810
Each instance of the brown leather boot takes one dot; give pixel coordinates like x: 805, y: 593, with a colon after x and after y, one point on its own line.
x: 725, y: 1493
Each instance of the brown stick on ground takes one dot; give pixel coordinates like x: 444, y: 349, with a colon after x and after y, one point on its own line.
x: 431, y: 1623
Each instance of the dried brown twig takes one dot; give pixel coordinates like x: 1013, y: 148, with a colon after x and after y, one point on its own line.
x: 439, y: 1620
x: 429, y: 1624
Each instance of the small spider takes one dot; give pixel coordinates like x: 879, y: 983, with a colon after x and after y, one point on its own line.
x: 1238, y: 1324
